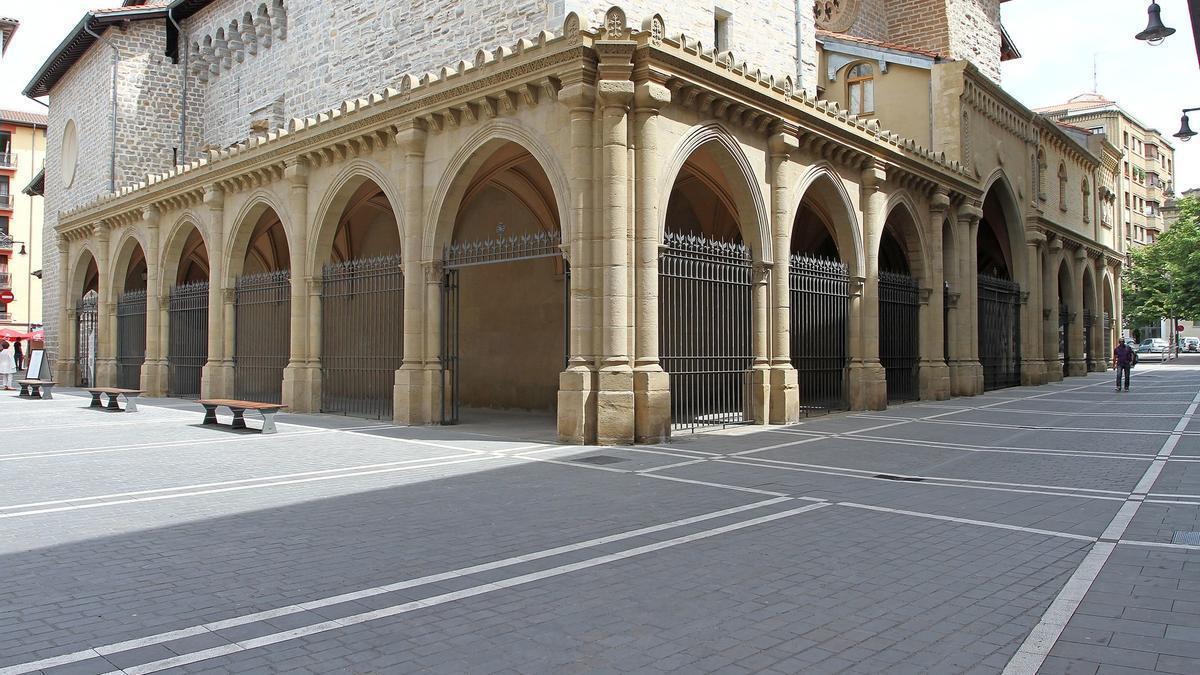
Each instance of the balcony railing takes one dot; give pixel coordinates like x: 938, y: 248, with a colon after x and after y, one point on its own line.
x: 6, y: 200
x: 6, y: 241
x: 5, y: 280
x: 5, y: 316
x: 8, y: 160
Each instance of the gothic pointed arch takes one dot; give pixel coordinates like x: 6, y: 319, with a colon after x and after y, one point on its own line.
x: 822, y: 199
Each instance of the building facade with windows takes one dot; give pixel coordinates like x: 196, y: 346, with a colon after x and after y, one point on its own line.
x: 22, y: 152
x: 645, y: 219
x: 1147, y: 175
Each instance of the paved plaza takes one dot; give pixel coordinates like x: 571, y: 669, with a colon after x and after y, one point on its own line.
x: 1050, y: 528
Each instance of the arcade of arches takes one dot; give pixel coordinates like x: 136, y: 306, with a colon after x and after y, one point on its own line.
x: 637, y: 261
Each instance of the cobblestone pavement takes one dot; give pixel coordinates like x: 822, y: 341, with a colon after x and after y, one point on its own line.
x: 1044, y: 528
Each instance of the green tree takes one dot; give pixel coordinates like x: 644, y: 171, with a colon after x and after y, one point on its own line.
x: 1163, y: 279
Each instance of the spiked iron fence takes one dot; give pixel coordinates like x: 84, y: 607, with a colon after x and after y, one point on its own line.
x: 899, y: 334
x: 820, y: 310
x: 1108, y: 337
x: 131, y: 338
x: 1088, y: 356
x: 704, y: 298
x: 86, y: 313
x: 187, y: 343
x: 999, y: 332
x: 262, y: 334
x: 362, y: 335
x: 1064, y: 346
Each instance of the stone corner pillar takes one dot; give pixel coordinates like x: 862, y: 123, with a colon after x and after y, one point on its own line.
x: 933, y: 375
x: 614, y: 381
x: 1050, y: 307
x: 866, y: 375
x: 1077, y: 365
x: 216, y: 376
x: 966, y: 372
x: 301, y: 381
x: 153, y: 374
x: 1033, y: 363
x: 784, y: 382
x: 106, y: 313
x: 651, y: 384
x: 760, y: 372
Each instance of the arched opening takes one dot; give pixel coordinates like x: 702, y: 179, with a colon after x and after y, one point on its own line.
x: 999, y: 294
x: 819, y: 295
x: 187, y: 311
x: 87, y: 304
x: 262, y: 306
x: 362, y: 302
x: 1064, y: 316
x: 130, y: 285
x: 705, y: 297
x: 899, y: 304
x: 504, y: 300
x: 951, y: 289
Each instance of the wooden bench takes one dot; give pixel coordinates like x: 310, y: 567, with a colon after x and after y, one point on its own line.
x: 112, y: 393
x: 40, y: 389
x: 238, y: 408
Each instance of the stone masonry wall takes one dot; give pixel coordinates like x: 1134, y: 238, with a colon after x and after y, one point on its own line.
x: 872, y: 20
x: 975, y: 34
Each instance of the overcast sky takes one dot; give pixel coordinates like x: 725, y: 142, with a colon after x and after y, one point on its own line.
x: 1058, y: 41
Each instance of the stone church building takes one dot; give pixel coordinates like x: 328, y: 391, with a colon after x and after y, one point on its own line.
x: 646, y: 219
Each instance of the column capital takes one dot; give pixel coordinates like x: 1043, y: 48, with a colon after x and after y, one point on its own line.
x: 651, y: 96
x: 296, y: 172
x: 940, y: 201
x: 615, y: 93
x: 150, y: 215
x: 783, y: 141
x: 411, y: 137
x: 313, y: 284
x: 970, y: 213
x: 433, y: 270
x: 1035, y: 239
x: 873, y: 176
x: 214, y: 197
x: 578, y: 95
x: 1053, y: 244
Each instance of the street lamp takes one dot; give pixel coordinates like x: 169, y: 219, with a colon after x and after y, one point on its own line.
x: 1185, y: 133
x: 1155, y: 31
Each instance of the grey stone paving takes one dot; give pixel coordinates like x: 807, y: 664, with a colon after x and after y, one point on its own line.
x: 149, y: 543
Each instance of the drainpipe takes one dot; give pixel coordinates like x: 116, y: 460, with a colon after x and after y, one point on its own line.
x: 799, y: 49
x: 112, y: 163
x: 181, y: 46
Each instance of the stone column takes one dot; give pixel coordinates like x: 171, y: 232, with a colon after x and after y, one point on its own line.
x: 760, y: 322
x: 217, y: 373
x: 301, y: 382
x: 154, y: 367
x: 1078, y: 363
x: 1103, y: 359
x: 934, y: 375
x: 1052, y: 253
x: 868, y: 381
x: 785, y: 391
x: 614, y: 395
x: 577, y: 384
x: 413, y: 393
x: 651, y: 385
x: 64, y: 371
x: 1033, y: 364
x: 967, y: 373
x: 106, y: 312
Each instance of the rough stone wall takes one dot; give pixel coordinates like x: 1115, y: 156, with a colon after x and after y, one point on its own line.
x: 974, y: 28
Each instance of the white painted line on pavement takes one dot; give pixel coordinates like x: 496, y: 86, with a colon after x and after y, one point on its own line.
x: 968, y: 521
x: 1160, y: 544
x: 71, y: 452
x: 445, y: 598
x: 328, y: 601
x: 1033, y: 652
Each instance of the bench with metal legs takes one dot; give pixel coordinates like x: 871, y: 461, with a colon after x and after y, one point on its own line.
x: 113, y: 393
x: 36, y: 389
x: 239, y: 408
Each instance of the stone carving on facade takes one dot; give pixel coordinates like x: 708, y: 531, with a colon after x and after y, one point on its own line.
x: 614, y: 24
x: 835, y: 15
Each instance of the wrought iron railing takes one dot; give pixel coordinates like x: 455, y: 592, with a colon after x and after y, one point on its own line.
x: 6, y: 241
x: 131, y: 338
x: 541, y: 244
x: 187, y: 344
x: 6, y: 200
x: 899, y: 334
x: 8, y: 160
x: 5, y: 279
x: 999, y: 332
x: 85, y: 338
x: 5, y: 316
x: 820, y: 316
x: 262, y: 335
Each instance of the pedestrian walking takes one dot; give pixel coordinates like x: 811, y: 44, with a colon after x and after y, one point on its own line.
x: 18, y: 353
x: 1123, y: 357
x: 8, y: 365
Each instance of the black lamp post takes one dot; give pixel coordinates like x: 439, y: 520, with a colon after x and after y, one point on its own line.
x: 1155, y: 31
x: 1185, y: 133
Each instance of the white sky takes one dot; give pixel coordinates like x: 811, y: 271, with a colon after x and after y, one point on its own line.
x: 1058, y: 41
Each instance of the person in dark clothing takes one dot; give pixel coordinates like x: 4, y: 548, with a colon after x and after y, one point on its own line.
x: 20, y: 353
x: 1123, y: 358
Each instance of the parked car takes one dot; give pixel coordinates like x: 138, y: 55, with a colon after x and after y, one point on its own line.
x: 1191, y: 344
x: 1153, y: 346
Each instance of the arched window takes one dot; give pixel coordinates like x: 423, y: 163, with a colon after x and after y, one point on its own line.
x: 1041, y: 174
x: 860, y: 89
x: 1062, y: 186
x: 1087, y: 200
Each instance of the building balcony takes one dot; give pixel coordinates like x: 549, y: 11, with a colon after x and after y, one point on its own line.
x: 5, y: 280
x: 6, y: 200
x: 6, y: 241
x: 5, y: 317
x: 8, y: 160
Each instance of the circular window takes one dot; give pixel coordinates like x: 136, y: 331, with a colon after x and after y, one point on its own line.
x: 70, y: 153
x: 835, y: 15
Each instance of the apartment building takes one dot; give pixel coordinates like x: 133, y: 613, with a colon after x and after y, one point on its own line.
x: 1147, y: 176
x: 22, y: 153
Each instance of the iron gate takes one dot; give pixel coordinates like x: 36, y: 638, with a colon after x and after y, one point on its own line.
x: 1064, y: 353
x: 1108, y: 345
x: 820, y: 310
x: 131, y: 338
x: 999, y: 332
x: 85, y: 339
x: 456, y: 256
x: 946, y: 322
x: 899, y: 334
x: 705, y: 290
x: 362, y: 335
x: 1087, y: 340
x: 187, y: 339
x: 262, y: 335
